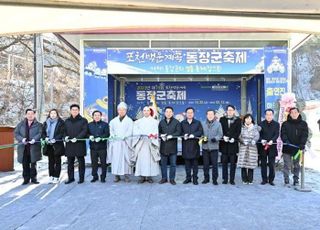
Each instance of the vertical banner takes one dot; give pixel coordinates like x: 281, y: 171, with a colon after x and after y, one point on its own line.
x: 95, y: 83
x: 276, y: 75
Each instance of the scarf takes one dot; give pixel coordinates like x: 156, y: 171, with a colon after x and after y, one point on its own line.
x: 51, y: 126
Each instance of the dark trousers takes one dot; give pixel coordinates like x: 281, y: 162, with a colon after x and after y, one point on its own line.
x: 226, y: 159
x: 71, y: 167
x: 54, y: 162
x: 247, y: 175
x: 210, y: 156
x: 95, y: 156
x: 29, y: 169
x: 191, y: 164
x: 164, y: 164
x: 267, y: 161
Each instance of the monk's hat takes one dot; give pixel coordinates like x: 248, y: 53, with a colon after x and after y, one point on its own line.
x: 122, y: 105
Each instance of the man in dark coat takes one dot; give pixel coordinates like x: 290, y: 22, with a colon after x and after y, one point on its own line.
x: 267, y: 146
x: 294, y: 131
x: 76, y: 127
x: 191, y: 130
x: 53, y: 130
x: 169, y: 128
x: 28, y: 134
x: 229, y: 146
x: 98, y: 148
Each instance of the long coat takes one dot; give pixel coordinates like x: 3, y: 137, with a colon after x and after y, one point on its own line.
x: 58, y: 147
x: 173, y: 127
x: 190, y: 147
x: 294, y: 132
x: 248, y: 153
x: 34, y: 133
x: 232, y: 132
x: 76, y: 128
x: 269, y: 131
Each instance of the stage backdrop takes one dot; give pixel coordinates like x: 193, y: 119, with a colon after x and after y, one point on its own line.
x: 180, y: 95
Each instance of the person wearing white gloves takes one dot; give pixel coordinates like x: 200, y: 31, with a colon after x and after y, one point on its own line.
x: 169, y: 129
x: 269, y: 134
x: 28, y: 134
x: 76, y: 127
x: 229, y: 145
x: 191, y: 131
x: 98, y: 129
x: 53, y: 130
x: 248, y: 153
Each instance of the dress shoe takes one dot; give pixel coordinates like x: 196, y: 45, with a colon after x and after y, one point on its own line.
x: 173, y: 182
x: 94, y: 180
x: 205, y: 181
x: 186, y: 181
x: 195, y: 182
x: 214, y: 182
x: 224, y: 182
x: 34, y: 181
x: 162, y: 181
x: 232, y: 183
x: 116, y: 179
x: 271, y: 183
x: 69, y: 181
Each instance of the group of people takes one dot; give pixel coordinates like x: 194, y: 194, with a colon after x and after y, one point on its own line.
x: 139, y: 146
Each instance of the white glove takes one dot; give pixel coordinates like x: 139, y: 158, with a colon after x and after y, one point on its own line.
x: 191, y: 136
x: 186, y: 136
x: 91, y: 138
x: 163, y: 137
x: 270, y: 142
x: 253, y: 142
x: 24, y: 141
x: 53, y: 141
x: 74, y: 140
x: 231, y: 140
x: 245, y: 142
x: 169, y: 137
x: 47, y: 139
x: 263, y: 142
x: 66, y: 139
x: 32, y: 141
x: 98, y: 139
x: 225, y: 138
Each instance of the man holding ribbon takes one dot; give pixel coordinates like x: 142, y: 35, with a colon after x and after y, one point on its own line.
x: 169, y: 130
x: 98, y: 134
x: 76, y: 131
x: 192, y: 131
x: 229, y: 146
x: 212, y: 130
x: 267, y: 146
x: 294, y: 134
x: 28, y: 134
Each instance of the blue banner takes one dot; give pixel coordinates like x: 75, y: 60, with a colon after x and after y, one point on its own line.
x: 180, y: 95
x: 276, y: 75
x: 185, y: 61
x: 95, y: 83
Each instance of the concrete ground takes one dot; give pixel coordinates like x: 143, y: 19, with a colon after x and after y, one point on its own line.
x: 154, y: 206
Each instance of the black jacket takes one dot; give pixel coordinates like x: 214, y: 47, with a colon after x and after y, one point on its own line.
x: 190, y: 147
x: 58, y: 147
x: 76, y: 128
x: 172, y: 128
x: 232, y: 132
x: 98, y: 129
x: 294, y: 132
x: 269, y: 131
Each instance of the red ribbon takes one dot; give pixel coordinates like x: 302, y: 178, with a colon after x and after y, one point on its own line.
x: 155, y: 136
